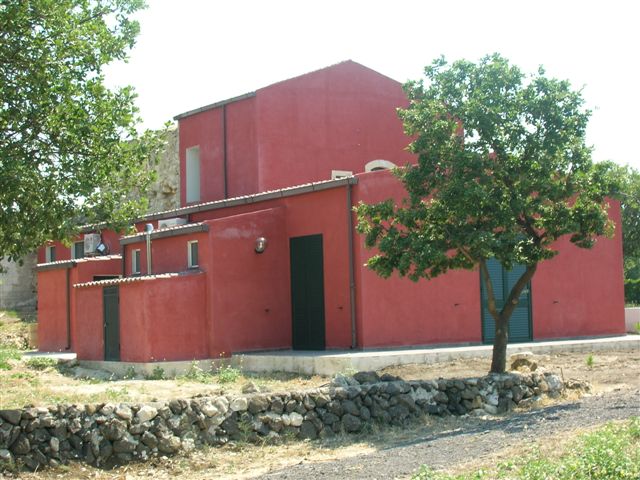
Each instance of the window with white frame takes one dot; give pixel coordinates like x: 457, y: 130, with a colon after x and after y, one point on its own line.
x: 335, y: 174
x: 193, y: 174
x: 135, y: 262
x: 375, y: 165
x: 77, y: 250
x: 50, y: 254
x: 192, y: 254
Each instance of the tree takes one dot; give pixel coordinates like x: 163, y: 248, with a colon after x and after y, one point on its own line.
x: 503, y: 172
x: 69, y: 151
x: 629, y: 196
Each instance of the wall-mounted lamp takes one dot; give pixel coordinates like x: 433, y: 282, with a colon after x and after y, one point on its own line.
x: 261, y: 244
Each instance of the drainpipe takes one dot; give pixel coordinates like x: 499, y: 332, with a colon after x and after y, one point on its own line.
x: 224, y: 150
x: 123, y: 255
x: 148, y: 228
x: 68, y: 275
x: 352, y: 281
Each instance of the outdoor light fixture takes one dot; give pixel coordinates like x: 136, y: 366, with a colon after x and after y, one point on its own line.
x: 261, y: 244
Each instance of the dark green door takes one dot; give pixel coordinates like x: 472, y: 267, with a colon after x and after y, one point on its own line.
x: 111, y: 302
x: 307, y: 293
x: 502, y: 281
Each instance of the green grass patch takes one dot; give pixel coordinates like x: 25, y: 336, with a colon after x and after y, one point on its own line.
x: 609, y: 453
x: 41, y: 363
x: 6, y: 354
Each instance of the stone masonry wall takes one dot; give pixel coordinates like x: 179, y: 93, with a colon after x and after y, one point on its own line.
x: 110, y: 434
x: 18, y: 284
x: 164, y: 193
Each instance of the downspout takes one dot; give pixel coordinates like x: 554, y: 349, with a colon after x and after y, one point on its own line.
x: 224, y: 150
x: 352, y: 281
x: 148, y: 228
x: 68, y: 275
x: 123, y: 256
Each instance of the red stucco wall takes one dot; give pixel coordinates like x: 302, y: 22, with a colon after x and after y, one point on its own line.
x: 249, y: 292
x: 397, y: 311
x: 89, y: 325
x: 52, y: 310
x: 205, y: 129
x: 581, y: 292
x: 52, y: 302
x: 297, y: 131
x: 168, y: 254
x: 110, y: 238
x: 337, y: 118
x: 163, y: 319
x: 323, y: 212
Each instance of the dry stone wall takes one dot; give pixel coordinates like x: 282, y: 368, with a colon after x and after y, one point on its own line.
x: 109, y: 434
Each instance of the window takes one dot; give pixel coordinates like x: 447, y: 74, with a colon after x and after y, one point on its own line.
x: 77, y: 250
x: 135, y: 262
x: 193, y: 174
x: 335, y: 174
x: 50, y: 254
x: 375, y: 165
x: 192, y: 254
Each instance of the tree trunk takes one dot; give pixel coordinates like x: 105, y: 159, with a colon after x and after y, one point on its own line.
x: 499, y: 356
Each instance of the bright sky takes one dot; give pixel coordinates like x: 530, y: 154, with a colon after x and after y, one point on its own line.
x: 194, y: 52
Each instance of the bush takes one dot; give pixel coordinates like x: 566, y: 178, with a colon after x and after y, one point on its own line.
x: 41, y: 363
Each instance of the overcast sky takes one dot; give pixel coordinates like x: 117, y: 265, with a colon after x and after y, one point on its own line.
x: 194, y: 52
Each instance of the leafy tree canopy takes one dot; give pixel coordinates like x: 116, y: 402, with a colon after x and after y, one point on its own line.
x: 69, y: 151
x: 629, y: 196
x: 503, y: 171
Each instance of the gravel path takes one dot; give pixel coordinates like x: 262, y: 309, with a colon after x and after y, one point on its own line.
x: 478, y: 437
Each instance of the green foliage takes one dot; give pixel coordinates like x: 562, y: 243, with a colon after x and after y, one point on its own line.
x: 503, y: 171
x: 157, y: 373
x: 130, y: 373
x: 590, y: 361
x: 629, y: 196
x: 197, y: 374
x: 69, y: 151
x: 228, y: 374
x: 610, y: 453
x: 6, y: 354
x: 41, y: 363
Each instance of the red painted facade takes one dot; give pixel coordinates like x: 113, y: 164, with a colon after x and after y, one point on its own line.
x: 294, y: 132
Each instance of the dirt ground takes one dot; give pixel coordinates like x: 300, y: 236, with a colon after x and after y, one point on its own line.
x: 23, y: 385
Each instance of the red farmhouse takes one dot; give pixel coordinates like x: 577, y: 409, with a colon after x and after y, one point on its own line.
x: 263, y: 254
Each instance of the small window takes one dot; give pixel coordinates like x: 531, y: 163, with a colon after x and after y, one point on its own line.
x: 135, y: 262
x: 335, y: 174
x: 192, y: 254
x: 193, y: 174
x: 50, y: 254
x: 375, y: 165
x: 77, y: 250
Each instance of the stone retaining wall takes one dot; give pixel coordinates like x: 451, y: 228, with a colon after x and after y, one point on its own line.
x: 109, y: 434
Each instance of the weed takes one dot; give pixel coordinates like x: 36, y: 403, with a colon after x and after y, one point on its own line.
x: 6, y: 354
x: 590, y: 361
x: 157, y: 374
x: 637, y: 327
x: 197, y: 374
x: 130, y: 373
x: 41, y: 363
x: 115, y: 394
x: 228, y: 374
